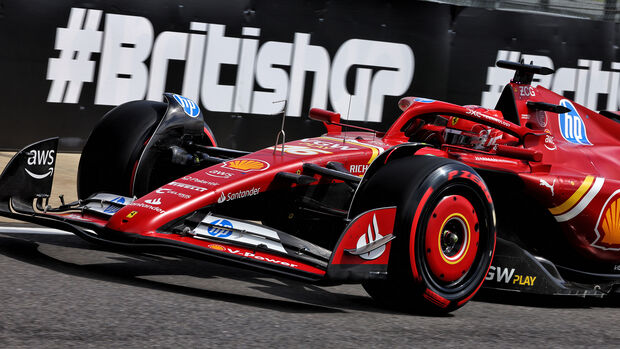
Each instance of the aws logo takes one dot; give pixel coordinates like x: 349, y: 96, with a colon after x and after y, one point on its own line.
x: 40, y: 158
x: 572, y: 127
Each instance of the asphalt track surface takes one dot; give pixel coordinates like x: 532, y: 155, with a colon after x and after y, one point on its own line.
x: 59, y: 291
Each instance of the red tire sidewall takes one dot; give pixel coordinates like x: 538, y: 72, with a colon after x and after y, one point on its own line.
x: 445, y: 181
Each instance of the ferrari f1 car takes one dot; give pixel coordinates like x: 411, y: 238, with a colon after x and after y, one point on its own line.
x: 525, y: 197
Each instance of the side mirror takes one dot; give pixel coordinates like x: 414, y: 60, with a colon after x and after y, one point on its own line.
x: 325, y: 116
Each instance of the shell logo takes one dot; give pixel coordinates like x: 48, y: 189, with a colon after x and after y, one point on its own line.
x: 247, y: 165
x: 217, y: 247
x: 608, y: 225
x: 611, y: 223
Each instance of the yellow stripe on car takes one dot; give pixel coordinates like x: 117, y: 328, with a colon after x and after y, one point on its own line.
x: 577, y: 195
x: 375, y: 149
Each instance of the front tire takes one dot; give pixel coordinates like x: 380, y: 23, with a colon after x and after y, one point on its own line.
x: 445, y: 232
x: 112, y: 151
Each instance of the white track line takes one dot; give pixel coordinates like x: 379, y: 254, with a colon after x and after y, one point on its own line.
x: 32, y: 230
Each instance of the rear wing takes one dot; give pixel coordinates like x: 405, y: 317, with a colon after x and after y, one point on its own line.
x: 524, y: 73
x: 511, y: 102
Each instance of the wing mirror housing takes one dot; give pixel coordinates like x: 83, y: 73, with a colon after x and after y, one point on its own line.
x: 330, y: 119
x: 325, y: 116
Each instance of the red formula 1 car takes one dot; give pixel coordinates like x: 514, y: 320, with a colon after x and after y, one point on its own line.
x: 526, y: 196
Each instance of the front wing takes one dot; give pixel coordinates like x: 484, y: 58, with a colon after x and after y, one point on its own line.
x: 362, y: 252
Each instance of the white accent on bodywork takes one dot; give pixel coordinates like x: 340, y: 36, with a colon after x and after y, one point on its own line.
x: 598, y: 184
x: 104, y: 202
x: 32, y: 230
x: 40, y: 176
x: 243, y: 232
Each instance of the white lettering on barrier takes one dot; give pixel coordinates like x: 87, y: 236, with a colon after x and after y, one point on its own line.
x: 587, y: 82
x: 379, y: 68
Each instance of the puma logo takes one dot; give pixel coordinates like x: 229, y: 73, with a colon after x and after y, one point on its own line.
x: 544, y: 183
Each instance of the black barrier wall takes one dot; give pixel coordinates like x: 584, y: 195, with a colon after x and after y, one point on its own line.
x: 65, y: 63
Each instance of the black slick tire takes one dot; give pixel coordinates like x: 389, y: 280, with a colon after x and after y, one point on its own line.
x: 445, y: 232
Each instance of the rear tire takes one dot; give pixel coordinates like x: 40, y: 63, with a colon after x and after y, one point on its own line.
x: 445, y: 232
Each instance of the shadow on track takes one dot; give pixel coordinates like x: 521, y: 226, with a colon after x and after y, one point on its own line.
x: 543, y: 301
x: 131, y: 269
x: 135, y: 269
